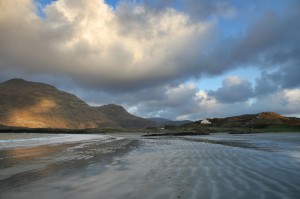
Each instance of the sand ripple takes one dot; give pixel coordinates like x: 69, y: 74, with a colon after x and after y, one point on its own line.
x: 160, y: 168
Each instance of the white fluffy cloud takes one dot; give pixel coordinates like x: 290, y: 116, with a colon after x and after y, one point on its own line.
x: 97, y: 45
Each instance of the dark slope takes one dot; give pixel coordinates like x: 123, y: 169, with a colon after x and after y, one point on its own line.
x: 120, y: 115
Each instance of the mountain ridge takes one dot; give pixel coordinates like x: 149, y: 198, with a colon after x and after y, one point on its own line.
x: 118, y: 113
x: 164, y: 121
x: 38, y: 105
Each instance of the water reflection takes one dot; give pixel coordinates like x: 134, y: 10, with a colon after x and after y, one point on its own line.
x: 219, y: 167
x: 22, y: 154
x: 21, y: 166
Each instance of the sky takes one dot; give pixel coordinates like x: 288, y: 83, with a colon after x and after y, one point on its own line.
x: 176, y: 59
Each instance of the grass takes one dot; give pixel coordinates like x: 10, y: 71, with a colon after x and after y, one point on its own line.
x: 238, y: 129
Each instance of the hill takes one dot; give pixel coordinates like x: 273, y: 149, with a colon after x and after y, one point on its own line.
x: 38, y: 105
x: 256, y: 120
x: 261, y: 122
x: 119, y: 115
x: 163, y: 121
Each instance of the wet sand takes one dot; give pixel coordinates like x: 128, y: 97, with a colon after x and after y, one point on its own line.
x: 221, y: 166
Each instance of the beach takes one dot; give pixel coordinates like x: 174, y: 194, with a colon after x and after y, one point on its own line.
x: 131, y: 166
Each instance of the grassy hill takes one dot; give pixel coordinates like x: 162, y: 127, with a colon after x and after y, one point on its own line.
x: 250, y: 123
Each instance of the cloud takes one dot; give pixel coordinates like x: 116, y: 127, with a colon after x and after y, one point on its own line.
x: 144, y: 55
x: 168, y: 100
x: 98, y: 46
x: 175, y: 100
x: 284, y: 77
x: 207, y: 8
x: 196, y: 9
x: 266, y: 84
x: 284, y: 101
x: 272, y: 40
x: 233, y: 90
x: 269, y: 41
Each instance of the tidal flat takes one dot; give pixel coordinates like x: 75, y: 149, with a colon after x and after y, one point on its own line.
x: 130, y: 166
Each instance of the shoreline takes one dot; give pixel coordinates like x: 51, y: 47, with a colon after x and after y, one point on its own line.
x: 146, y: 132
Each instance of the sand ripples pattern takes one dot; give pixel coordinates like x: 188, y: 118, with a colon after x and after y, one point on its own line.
x: 165, y: 167
x: 196, y: 169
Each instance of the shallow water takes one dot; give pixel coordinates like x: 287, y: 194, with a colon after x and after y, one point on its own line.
x: 17, y: 140
x: 215, y: 166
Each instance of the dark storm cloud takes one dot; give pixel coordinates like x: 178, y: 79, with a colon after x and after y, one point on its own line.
x: 290, y: 75
x: 273, y: 39
x: 266, y: 84
x: 272, y: 43
x: 285, y: 77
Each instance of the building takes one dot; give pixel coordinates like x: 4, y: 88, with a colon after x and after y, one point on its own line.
x: 205, y: 121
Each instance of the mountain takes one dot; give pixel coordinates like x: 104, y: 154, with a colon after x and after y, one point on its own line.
x: 118, y: 114
x: 164, y: 121
x: 38, y: 105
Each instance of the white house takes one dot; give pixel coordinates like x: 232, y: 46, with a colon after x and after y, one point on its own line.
x: 205, y: 121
